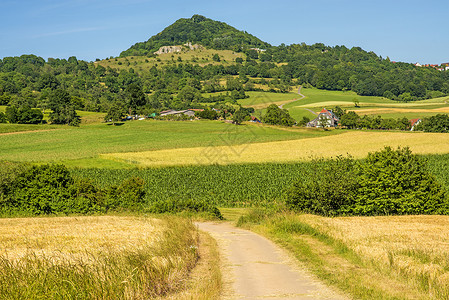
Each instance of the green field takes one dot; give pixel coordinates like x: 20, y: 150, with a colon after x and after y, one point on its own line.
x: 88, y: 141
x: 263, y: 99
x: 316, y: 100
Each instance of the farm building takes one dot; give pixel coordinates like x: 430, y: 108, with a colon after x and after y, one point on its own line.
x: 414, y: 123
x: 255, y: 119
x: 327, y: 116
x: 187, y: 112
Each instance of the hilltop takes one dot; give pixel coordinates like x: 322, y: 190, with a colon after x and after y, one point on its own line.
x: 198, y: 30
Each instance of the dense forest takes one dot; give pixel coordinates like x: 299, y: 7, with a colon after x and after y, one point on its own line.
x: 66, y: 85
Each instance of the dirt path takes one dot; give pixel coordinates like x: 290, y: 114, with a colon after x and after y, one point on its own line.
x: 299, y: 93
x: 255, y: 268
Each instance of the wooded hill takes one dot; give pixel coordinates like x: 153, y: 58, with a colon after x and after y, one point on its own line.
x: 179, y: 83
x: 198, y: 30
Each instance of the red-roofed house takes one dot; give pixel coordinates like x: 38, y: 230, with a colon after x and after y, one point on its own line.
x: 255, y: 119
x: 325, y: 116
x: 414, y: 122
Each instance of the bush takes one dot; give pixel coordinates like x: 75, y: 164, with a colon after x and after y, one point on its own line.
x: 50, y: 189
x: 397, y: 182
x: 23, y: 115
x: 42, y: 189
x: 129, y: 194
x: 178, y: 206
x: 388, y: 182
x: 328, y: 189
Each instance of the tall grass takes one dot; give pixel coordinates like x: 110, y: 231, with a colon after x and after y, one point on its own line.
x: 151, y: 268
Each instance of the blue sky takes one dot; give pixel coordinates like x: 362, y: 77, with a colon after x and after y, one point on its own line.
x: 410, y: 31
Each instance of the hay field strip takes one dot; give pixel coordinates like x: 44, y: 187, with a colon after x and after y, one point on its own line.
x: 355, y: 143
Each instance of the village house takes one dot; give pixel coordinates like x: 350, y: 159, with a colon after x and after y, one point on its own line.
x: 255, y: 119
x: 326, y: 116
x: 414, y: 123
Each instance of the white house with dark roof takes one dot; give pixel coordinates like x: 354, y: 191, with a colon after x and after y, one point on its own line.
x: 325, y: 116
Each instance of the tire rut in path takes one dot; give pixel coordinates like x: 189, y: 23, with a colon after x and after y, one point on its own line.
x: 256, y: 268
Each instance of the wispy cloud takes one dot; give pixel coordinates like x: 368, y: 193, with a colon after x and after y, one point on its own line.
x: 65, y: 32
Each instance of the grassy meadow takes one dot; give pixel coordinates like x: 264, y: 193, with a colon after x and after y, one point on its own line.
x: 393, y: 257
x: 260, y: 100
x: 89, y: 141
x: 97, y: 257
x: 316, y: 100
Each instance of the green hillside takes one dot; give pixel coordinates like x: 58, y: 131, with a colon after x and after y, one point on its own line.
x: 200, y: 30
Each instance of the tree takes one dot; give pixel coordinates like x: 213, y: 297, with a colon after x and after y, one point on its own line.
x: 438, y: 123
x: 136, y: 97
x: 27, y: 115
x: 207, y: 114
x: 188, y: 95
x: 323, y: 122
x: 350, y: 120
x: 338, y: 111
x: 216, y: 57
x: 303, y: 121
x: 398, y: 182
x: 239, y: 116
x: 11, y: 114
x: 115, y: 113
x: 278, y: 116
x: 63, y: 111
x: 2, y: 117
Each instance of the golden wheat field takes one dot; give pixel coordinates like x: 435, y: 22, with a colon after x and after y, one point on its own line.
x: 356, y: 143
x: 413, y: 246
x: 107, y: 257
x: 75, y: 236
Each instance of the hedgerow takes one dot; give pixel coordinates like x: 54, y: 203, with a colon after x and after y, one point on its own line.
x: 50, y: 189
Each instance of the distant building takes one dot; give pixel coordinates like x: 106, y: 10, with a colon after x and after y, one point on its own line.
x: 328, y: 115
x: 255, y: 119
x: 414, y: 123
x: 187, y: 112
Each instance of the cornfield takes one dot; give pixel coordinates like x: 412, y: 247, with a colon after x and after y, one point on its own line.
x: 243, y: 185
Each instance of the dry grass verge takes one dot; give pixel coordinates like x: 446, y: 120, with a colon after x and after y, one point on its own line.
x: 205, y: 281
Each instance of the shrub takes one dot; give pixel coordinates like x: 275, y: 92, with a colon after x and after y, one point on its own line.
x: 42, y: 189
x: 129, y: 194
x: 329, y: 188
x: 177, y: 206
x: 388, y: 182
x: 397, y: 182
x: 50, y: 189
